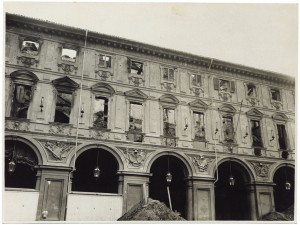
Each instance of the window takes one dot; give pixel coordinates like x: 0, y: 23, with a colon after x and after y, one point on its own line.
x: 169, y: 122
x: 251, y: 90
x: 136, y: 67
x: 21, y: 100
x: 275, y: 94
x: 224, y: 85
x: 256, y: 133
x: 63, y: 107
x: 228, y: 128
x: 168, y: 74
x: 196, y: 80
x: 135, y: 117
x: 68, y: 55
x: 105, y: 61
x: 30, y: 47
x: 199, y: 125
x: 281, y: 136
x: 100, y: 112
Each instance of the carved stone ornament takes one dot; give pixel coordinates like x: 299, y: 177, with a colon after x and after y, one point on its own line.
x: 137, y: 81
x: 67, y: 68
x: 57, y: 150
x: 201, y: 162
x: 225, y: 96
x: 252, y: 100
x: 27, y: 61
x: 169, y: 141
x: 60, y: 129
x: 99, y: 134
x: 103, y: 75
x: 261, y: 169
x: 17, y: 125
x: 277, y: 105
x: 197, y: 90
x: 168, y: 86
x: 135, y: 157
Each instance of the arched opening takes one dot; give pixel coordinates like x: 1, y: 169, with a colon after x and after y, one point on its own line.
x: 20, y: 162
x: 84, y: 179
x: 284, y: 194
x: 177, y: 187
x: 231, y: 196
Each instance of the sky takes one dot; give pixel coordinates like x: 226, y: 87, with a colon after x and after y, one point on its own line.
x: 263, y: 36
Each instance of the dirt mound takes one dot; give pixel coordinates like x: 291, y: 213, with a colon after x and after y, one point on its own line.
x: 287, y: 215
x: 152, y: 210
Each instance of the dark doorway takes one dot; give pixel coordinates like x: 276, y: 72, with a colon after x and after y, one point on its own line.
x: 84, y: 179
x: 231, y: 202
x: 158, y: 183
x: 25, y: 159
x: 284, y: 198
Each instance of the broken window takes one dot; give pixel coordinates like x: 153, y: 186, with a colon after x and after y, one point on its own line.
x: 68, y: 55
x: 224, y: 85
x: 105, y: 61
x: 281, y: 136
x: 251, y: 90
x: 30, y: 47
x: 169, y: 122
x: 199, y: 125
x: 228, y: 129
x: 21, y: 100
x: 136, y: 67
x: 100, y: 112
x: 275, y: 94
x: 135, y: 117
x: 63, y: 107
x: 256, y: 133
x: 196, y: 80
x: 168, y: 74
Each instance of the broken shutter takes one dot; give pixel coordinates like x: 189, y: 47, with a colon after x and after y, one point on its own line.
x: 232, y: 86
x: 216, y: 83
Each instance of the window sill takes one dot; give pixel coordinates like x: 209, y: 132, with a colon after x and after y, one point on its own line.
x: 21, y: 189
x: 94, y: 193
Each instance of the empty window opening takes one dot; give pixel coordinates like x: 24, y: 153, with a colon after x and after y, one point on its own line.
x: 199, y: 125
x: 63, y: 107
x: 275, y: 94
x: 68, y: 55
x: 136, y: 67
x: 100, y: 112
x: 256, y: 133
x: 21, y: 100
x: 30, y: 47
x: 281, y: 136
x: 136, y: 117
x: 224, y: 85
x: 168, y: 74
x: 196, y: 80
x: 251, y: 90
x: 105, y: 61
x: 228, y: 129
x: 169, y: 122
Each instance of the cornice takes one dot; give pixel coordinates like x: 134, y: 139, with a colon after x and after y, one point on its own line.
x: 142, y: 48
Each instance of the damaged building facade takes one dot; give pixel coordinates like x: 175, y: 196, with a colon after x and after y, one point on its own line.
x: 94, y: 123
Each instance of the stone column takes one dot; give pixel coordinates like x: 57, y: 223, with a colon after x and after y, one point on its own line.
x: 251, y: 197
x: 135, y: 188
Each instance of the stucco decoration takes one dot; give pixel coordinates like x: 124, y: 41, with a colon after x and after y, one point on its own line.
x: 276, y: 104
x: 103, y: 75
x: 201, y: 162
x: 137, y: 81
x: 27, y: 61
x: 225, y: 96
x: 60, y: 129
x: 168, y: 86
x: 99, y: 134
x: 17, y: 125
x: 253, y: 100
x: 135, y: 157
x: 261, y: 168
x: 57, y: 150
x: 67, y: 68
x: 197, y: 90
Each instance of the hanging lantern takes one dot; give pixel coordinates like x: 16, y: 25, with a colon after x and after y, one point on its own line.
x: 11, y: 167
x: 231, y: 180
x: 287, y: 186
x: 96, y: 172
x: 169, y: 177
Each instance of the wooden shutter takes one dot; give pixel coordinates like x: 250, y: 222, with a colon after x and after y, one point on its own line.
x: 216, y: 83
x: 232, y: 86
x: 129, y: 64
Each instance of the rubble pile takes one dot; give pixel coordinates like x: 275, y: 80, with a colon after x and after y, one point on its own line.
x: 287, y: 215
x: 152, y: 210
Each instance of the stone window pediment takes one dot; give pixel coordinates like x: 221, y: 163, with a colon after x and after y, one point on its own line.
x: 24, y: 77
x: 168, y: 101
x: 280, y: 117
x: 227, y: 109
x: 65, y: 84
x: 198, y: 105
x: 135, y: 95
x: 254, y: 114
x: 102, y: 89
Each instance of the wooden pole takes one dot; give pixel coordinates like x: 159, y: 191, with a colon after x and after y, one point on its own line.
x: 170, y: 203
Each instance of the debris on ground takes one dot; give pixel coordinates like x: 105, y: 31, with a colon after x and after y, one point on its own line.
x: 152, y: 210
x: 287, y: 215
